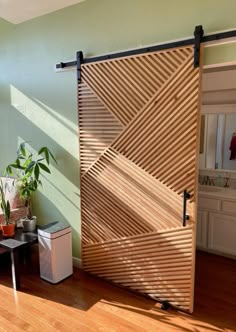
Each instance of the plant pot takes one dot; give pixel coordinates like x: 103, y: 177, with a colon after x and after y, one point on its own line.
x: 8, y: 230
x: 29, y: 225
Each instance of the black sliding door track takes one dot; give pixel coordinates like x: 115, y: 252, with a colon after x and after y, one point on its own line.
x: 184, y: 42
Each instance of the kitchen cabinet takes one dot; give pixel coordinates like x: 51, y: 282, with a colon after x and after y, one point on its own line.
x: 222, y: 233
x: 216, y: 224
x: 202, y: 229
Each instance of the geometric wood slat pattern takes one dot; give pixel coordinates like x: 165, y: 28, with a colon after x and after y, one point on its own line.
x: 138, y: 124
x: 162, y: 138
x: 128, y: 195
x: 98, y: 127
x: 157, y: 264
x: 125, y: 85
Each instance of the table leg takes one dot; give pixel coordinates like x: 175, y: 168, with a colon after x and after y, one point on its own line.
x: 21, y: 256
x: 15, y: 270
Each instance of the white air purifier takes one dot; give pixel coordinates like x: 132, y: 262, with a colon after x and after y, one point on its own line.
x: 55, y: 251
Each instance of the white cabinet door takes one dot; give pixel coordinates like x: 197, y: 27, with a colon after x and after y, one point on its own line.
x: 222, y: 233
x: 202, y: 229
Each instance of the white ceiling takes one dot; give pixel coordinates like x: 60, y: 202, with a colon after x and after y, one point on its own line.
x: 17, y: 11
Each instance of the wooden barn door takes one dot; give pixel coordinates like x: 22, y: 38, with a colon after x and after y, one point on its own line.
x: 139, y: 123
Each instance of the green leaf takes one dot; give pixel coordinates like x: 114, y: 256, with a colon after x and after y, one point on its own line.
x: 8, y: 211
x: 36, y: 171
x: 41, y: 150
x: 25, y: 192
x: 46, y: 155
x: 44, y: 150
x: 35, y: 185
x: 22, y: 149
x: 44, y: 167
x: 52, y: 156
x: 30, y: 166
x: 17, y: 166
x: 28, y: 173
x: 9, y: 170
x: 27, y: 162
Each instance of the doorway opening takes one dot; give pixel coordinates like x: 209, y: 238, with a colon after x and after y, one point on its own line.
x: 216, y: 222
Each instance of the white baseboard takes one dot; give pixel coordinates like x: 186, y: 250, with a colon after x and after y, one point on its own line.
x: 77, y: 262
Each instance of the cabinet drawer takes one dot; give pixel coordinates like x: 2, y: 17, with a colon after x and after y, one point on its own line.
x: 222, y: 233
x: 229, y: 206
x: 209, y: 204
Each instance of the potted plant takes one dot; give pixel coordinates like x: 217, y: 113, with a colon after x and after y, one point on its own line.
x: 8, y: 227
x: 27, y: 169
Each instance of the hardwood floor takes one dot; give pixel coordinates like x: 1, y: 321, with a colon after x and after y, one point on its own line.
x: 83, y: 303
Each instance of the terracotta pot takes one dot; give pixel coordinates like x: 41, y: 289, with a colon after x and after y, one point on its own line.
x: 8, y: 230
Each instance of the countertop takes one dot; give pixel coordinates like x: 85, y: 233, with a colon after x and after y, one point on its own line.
x: 217, y: 192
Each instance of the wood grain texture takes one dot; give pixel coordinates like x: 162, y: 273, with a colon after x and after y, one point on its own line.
x: 140, y: 263
x: 126, y: 85
x: 161, y: 139
x: 147, y: 108
x: 87, y: 304
x: 129, y: 196
x: 98, y: 127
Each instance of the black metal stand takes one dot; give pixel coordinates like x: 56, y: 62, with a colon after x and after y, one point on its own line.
x: 16, y: 246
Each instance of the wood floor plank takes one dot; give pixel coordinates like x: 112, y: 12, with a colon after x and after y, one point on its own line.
x: 87, y: 304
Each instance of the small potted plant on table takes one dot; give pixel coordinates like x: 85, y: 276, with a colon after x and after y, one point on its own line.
x: 8, y: 227
x: 27, y: 169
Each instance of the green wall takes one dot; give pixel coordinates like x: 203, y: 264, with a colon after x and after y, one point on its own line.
x: 39, y: 105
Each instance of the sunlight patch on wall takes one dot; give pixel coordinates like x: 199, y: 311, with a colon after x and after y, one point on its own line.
x: 56, y: 187
x: 59, y: 117
x: 62, y: 133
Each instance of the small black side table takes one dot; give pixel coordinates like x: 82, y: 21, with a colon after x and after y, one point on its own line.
x: 14, y: 245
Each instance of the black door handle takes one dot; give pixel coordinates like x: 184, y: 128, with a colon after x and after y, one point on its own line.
x: 186, y: 196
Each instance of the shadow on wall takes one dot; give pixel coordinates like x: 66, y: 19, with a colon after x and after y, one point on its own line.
x: 49, y: 128
x: 30, y: 120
